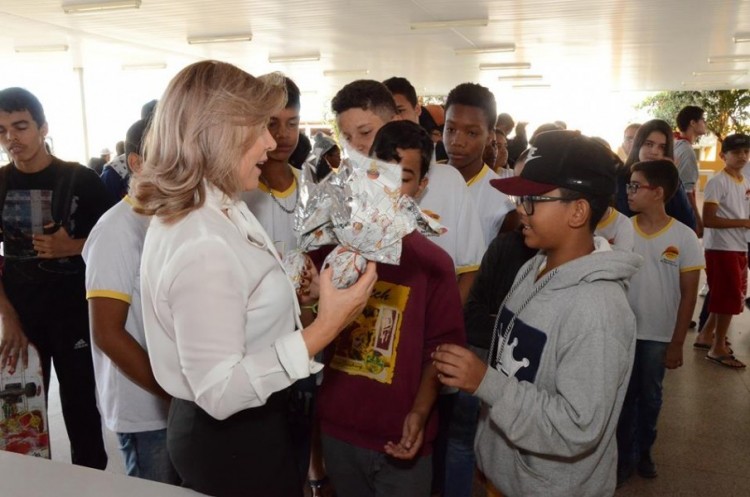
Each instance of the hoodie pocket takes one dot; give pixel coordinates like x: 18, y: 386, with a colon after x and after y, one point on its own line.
x: 525, y: 467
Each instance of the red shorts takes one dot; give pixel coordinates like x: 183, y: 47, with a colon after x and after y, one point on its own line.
x: 726, y: 273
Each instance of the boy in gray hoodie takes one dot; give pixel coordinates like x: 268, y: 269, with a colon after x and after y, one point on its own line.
x: 564, y: 338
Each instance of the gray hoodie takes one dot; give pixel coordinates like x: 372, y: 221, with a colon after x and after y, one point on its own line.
x: 553, y: 395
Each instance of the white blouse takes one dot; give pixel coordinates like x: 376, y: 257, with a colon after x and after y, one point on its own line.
x: 220, y: 314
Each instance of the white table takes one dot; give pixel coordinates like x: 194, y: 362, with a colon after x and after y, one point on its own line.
x: 27, y: 476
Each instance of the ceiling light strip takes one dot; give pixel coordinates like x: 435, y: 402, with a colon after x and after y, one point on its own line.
x: 87, y: 7
x: 728, y: 72
x: 520, y: 77
x: 505, y: 47
x: 197, y: 40
x: 462, y: 23
x: 281, y: 59
x: 719, y: 59
x: 504, y: 65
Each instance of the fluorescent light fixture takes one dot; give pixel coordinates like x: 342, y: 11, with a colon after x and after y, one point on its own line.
x: 346, y: 72
x: 531, y: 86
x: 280, y: 59
x: 719, y: 59
x: 144, y: 67
x: 42, y: 48
x: 84, y: 7
x: 462, y: 23
x: 520, y: 77
x: 504, y: 65
x: 728, y: 72
x: 195, y: 40
x: 504, y: 47
x: 741, y: 38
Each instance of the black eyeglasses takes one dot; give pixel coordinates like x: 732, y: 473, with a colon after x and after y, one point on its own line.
x: 528, y: 201
x: 633, y: 187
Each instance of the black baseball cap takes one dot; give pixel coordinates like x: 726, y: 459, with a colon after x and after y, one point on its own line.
x: 563, y: 159
x: 734, y: 142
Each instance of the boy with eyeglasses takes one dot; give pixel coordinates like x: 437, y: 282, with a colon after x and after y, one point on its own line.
x: 564, y: 338
x: 662, y: 295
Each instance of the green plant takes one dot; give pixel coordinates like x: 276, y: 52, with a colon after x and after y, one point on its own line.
x: 727, y: 111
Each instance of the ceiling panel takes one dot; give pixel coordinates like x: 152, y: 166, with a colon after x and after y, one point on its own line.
x: 618, y: 44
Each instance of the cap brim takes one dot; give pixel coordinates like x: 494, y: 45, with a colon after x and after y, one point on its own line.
x: 518, y: 186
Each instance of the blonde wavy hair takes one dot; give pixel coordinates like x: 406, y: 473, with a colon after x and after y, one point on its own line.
x: 209, y: 116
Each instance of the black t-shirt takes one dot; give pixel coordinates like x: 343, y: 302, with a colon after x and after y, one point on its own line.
x: 504, y: 257
x: 36, y: 286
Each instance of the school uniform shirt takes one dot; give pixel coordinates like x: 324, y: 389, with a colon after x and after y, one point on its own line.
x: 113, y: 260
x: 733, y: 198
x: 654, y: 292
x: 448, y: 200
x: 279, y: 224
x: 746, y: 174
x: 220, y: 314
x: 617, y: 229
x: 687, y: 163
x: 492, y: 204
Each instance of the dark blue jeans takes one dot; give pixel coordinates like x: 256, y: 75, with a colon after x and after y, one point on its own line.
x: 460, y: 460
x: 636, y: 430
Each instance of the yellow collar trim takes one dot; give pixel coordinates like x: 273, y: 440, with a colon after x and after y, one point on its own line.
x: 482, y: 172
x: 292, y: 188
x: 638, y: 230
x: 739, y: 180
x: 608, y: 220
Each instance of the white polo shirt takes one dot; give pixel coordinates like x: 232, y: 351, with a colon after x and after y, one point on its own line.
x: 491, y: 203
x: 113, y: 261
x: 448, y: 200
x: 733, y: 198
x: 654, y: 291
x: 617, y: 229
x: 266, y: 204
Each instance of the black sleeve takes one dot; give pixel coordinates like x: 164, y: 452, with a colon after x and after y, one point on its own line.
x: 92, y: 200
x: 500, y: 264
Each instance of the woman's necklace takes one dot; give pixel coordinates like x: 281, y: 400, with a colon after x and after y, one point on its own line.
x: 270, y: 192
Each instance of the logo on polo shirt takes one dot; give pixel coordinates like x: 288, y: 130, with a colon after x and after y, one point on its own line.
x: 670, y: 255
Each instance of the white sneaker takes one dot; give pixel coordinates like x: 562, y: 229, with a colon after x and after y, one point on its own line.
x: 704, y: 290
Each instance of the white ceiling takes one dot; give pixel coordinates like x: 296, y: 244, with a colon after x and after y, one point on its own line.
x: 620, y: 44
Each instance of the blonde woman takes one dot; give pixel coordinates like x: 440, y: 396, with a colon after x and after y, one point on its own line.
x: 221, y: 317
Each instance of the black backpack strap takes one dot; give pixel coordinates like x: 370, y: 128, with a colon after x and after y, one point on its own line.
x: 62, y: 195
x: 3, y: 192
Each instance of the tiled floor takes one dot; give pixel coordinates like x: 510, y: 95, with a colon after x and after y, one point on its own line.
x: 703, y: 445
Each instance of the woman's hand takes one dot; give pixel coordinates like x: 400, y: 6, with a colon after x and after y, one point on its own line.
x: 338, y: 307
x: 309, y: 288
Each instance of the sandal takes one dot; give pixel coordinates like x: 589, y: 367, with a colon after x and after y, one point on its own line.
x: 728, y: 361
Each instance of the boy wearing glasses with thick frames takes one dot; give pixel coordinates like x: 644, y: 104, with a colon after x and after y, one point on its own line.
x: 662, y: 295
x: 564, y: 338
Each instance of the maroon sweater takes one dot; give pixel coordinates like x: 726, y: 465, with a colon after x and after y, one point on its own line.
x: 373, y: 369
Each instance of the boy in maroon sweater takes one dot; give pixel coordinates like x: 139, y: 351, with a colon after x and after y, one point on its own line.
x: 379, y: 387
